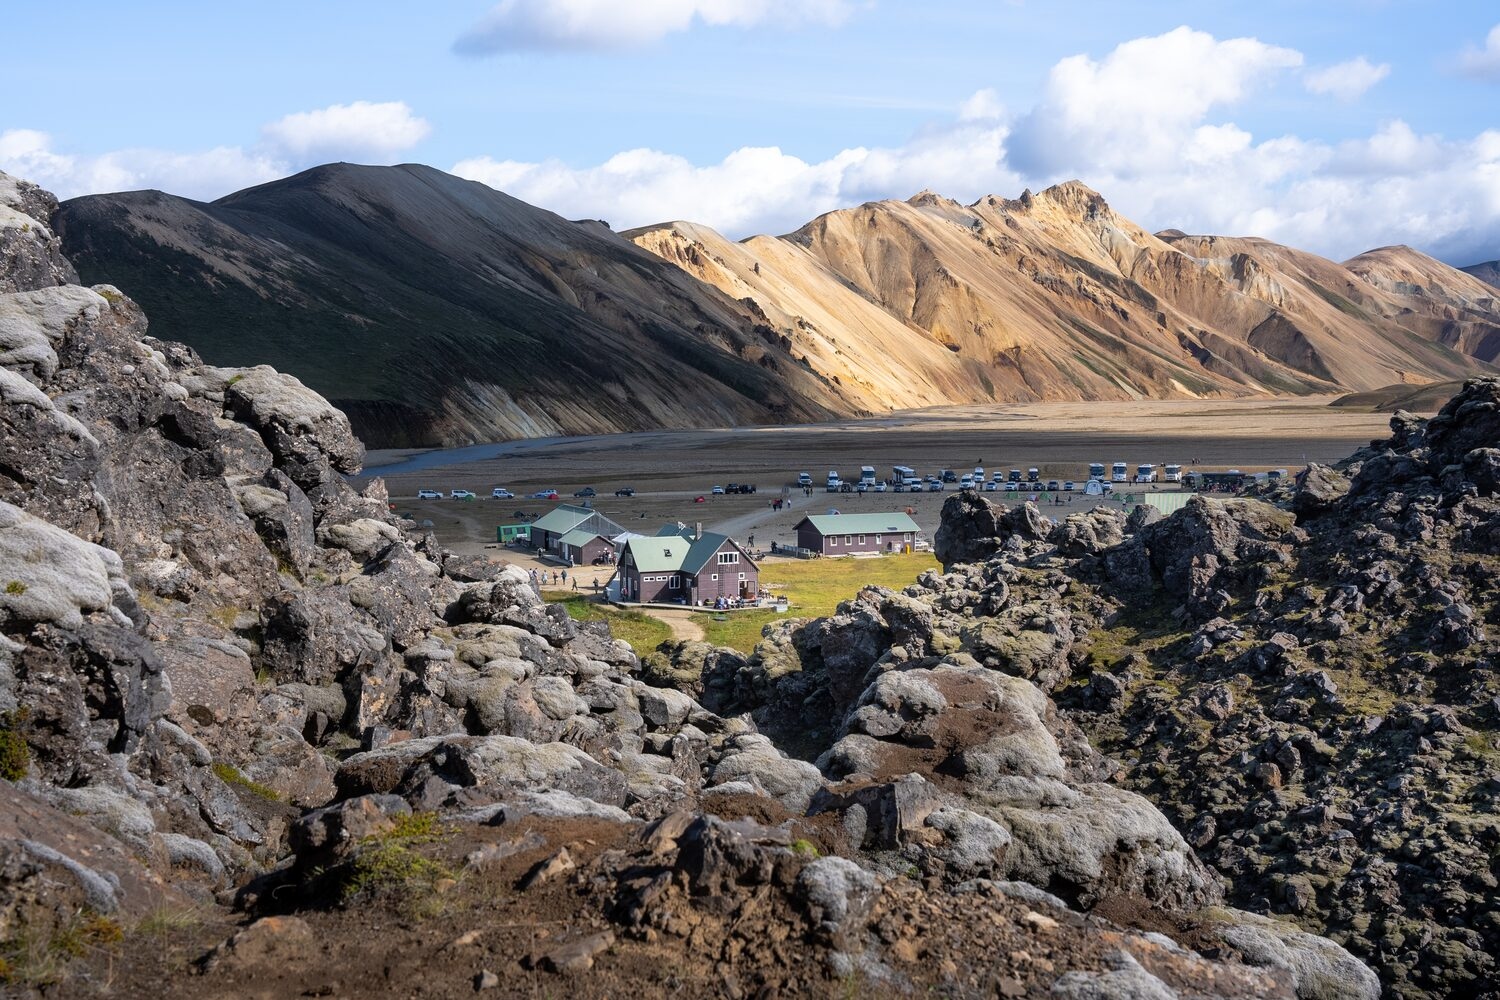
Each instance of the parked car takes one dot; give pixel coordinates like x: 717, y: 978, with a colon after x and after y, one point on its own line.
x: 625, y: 491
x: 1053, y: 485
x: 846, y: 487
x: 899, y: 488
x: 544, y: 495
x: 501, y: 493
x: 934, y: 487
x: 587, y: 491
x: 991, y: 486
x: 1069, y: 486
x: 1012, y: 487
x: 717, y: 491
x: 880, y: 487
x: 462, y: 494
x: 429, y: 495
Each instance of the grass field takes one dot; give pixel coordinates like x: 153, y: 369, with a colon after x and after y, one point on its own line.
x: 815, y: 588
x: 643, y: 632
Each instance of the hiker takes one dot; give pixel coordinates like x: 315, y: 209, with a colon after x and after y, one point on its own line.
x: 575, y: 583
x: 752, y: 541
x: 564, y: 576
x: 596, y: 585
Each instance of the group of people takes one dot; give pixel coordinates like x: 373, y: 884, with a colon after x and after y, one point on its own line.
x: 555, y: 578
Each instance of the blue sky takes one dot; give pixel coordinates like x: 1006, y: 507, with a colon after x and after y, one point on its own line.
x: 1332, y: 124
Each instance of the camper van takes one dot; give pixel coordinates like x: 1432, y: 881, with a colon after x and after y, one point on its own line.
x: 1015, y: 476
x: 1120, y: 472
x: 1172, y: 474
x: 867, y: 475
x: 804, y: 479
x: 1096, y: 471
x: 1033, y: 475
x: 834, y: 482
x: 978, y: 473
x: 1145, y: 473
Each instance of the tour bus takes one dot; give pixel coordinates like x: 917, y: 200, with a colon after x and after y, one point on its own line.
x: 804, y: 479
x: 834, y: 482
x: 1096, y: 471
x: 867, y: 475
x: 1033, y: 475
x: 903, y: 473
x: 1120, y: 472
x: 1172, y: 474
x: 1145, y: 473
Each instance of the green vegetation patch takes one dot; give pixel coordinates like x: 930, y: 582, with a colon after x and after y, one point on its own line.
x: 231, y: 775
x: 388, y: 866
x: 15, y: 755
x: 814, y: 588
x: 643, y: 632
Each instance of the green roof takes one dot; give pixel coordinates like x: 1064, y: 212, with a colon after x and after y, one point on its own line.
x: 675, y: 553
x: 562, y: 519
x: 862, y: 524
x: 660, y: 554
x: 580, y: 537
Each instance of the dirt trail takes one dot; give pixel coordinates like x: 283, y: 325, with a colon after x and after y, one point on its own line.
x: 684, y: 627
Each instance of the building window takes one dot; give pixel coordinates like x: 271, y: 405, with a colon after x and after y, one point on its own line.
x: 728, y: 558
x: 848, y: 539
x: 861, y: 539
x: 906, y: 537
x: 713, y: 576
x: 742, y: 576
x: 833, y: 540
x: 877, y: 539
x: 675, y: 583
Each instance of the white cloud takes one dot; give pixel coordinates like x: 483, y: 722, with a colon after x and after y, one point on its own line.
x: 1347, y: 80
x: 1142, y: 101
x: 203, y: 175
x: 514, y: 25
x: 1484, y: 63
x: 753, y: 189
x: 1144, y: 125
x: 981, y: 105
x: 361, y: 130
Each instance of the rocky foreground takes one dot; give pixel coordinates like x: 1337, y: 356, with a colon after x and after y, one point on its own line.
x: 260, y: 738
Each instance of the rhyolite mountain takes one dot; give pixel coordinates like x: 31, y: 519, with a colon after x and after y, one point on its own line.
x: 1056, y: 296
x: 435, y: 310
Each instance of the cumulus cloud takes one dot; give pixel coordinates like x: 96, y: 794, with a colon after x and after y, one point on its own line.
x: 1347, y: 80
x: 1138, y: 105
x: 514, y: 25
x: 1483, y: 63
x: 362, y: 130
x: 753, y: 189
x: 1146, y: 125
x: 204, y: 175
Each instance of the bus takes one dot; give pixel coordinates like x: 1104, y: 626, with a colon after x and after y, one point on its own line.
x: 1145, y: 473
x: 1096, y: 471
x: 1120, y: 472
x: 867, y: 475
x: 1172, y: 474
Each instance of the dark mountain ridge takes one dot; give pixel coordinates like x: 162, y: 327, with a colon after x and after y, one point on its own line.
x: 436, y: 310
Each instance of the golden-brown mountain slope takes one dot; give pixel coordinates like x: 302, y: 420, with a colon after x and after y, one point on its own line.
x: 1056, y: 296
